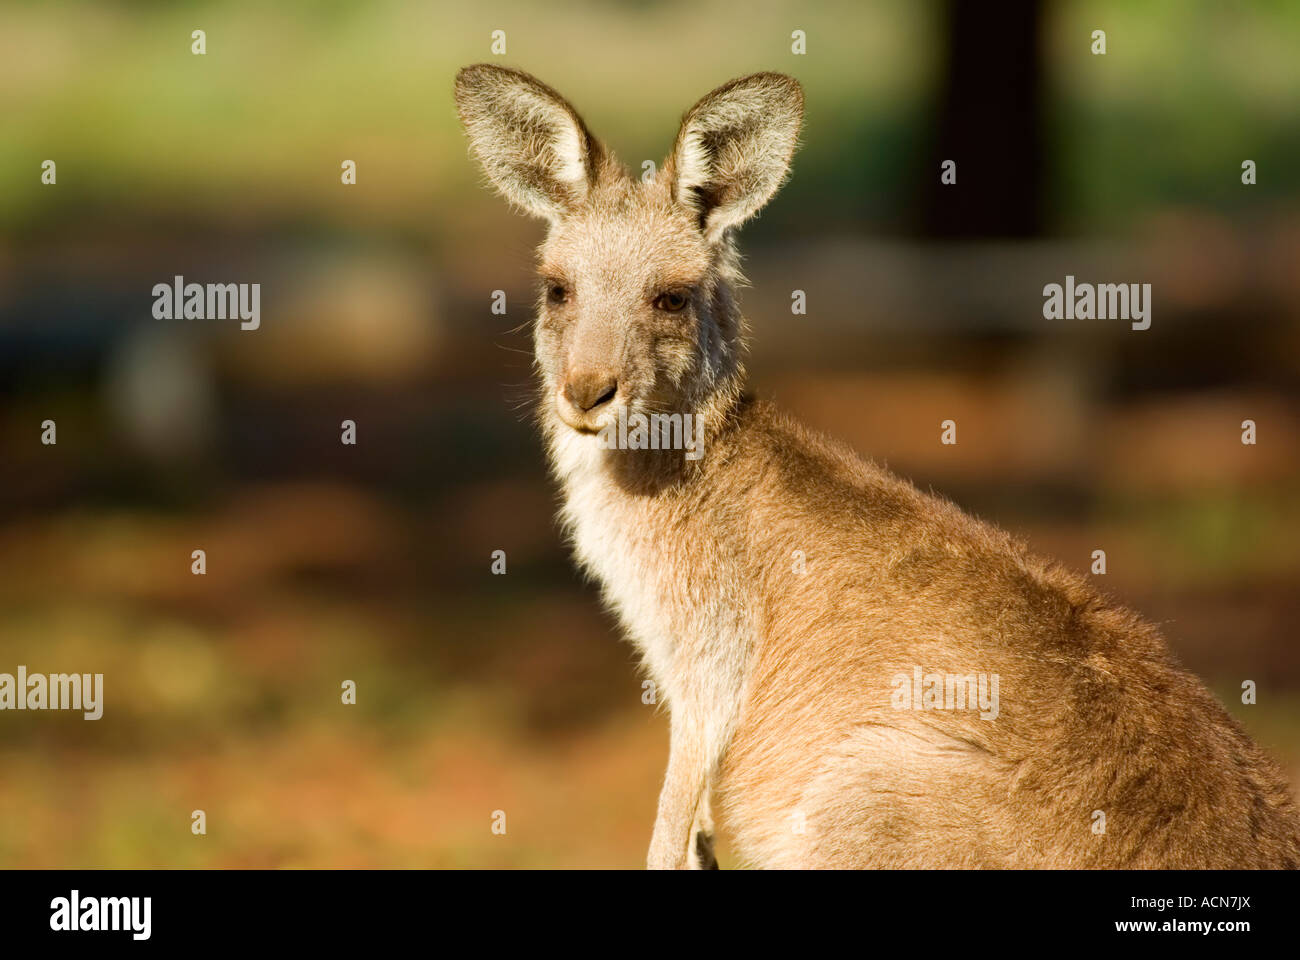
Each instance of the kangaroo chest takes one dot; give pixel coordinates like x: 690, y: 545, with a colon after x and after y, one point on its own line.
x: 614, y: 543
x: 677, y: 599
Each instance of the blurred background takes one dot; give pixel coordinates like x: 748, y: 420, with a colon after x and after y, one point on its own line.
x: 371, y: 563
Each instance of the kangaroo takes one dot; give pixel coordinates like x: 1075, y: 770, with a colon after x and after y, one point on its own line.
x: 857, y: 674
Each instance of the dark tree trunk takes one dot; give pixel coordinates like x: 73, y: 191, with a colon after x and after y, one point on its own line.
x: 988, y: 120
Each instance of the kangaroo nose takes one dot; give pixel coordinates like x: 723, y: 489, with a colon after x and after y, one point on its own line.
x: 588, y: 389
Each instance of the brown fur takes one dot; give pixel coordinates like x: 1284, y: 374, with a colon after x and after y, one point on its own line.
x: 779, y: 681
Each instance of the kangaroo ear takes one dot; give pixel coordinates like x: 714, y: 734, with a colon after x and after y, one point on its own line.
x: 532, y: 144
x: 734, y: 149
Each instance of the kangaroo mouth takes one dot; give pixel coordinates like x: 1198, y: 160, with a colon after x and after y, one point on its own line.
x: 585, y: 421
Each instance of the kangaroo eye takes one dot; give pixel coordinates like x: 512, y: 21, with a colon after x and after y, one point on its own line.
x: 672, y: 302
x: 556, y: 293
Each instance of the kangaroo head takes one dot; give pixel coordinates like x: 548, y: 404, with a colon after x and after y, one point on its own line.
x: 637, y: 307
